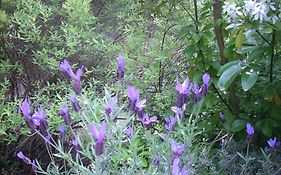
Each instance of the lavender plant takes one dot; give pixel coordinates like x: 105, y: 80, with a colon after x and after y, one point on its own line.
x: 92, y: 144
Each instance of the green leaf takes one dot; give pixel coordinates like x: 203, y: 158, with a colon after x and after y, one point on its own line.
x: 238, y: 125
x: 249, y: 81
x: 239, y: 39
x: 189, y: 51
x: 226, y: 66
x: 229, y: 76
x: 143, y: 162
x: 267, y: 128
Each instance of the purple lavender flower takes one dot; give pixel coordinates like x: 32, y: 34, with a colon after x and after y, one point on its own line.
x: 206, y: 78
x: 121, y: 67
x: 272, y: 142
x: 140, y: 105
x: 147, y: 122
x: 133, y: 95
x: 62, y: 130
x: 43, y: 125
x: 221, y: 117
x: 109, y: 104
x: 24, y: 158
x: 64, y: 112
x: 184, y: 171
x: 129, y: 131
x: 250, y: 132
x: 272, y: 145
x: 99, y: 137
x: 182, y: 92
x: 170, y: 123
x: 156, y: 160
x: 196, y: 92
x: 250, y: 129
x: 267, y: 149
x: 75, y: 104
x: 25, y: 108
x: 176, y: 168
x: 77, y: 87
x: 176, y: 149
x: 75, y: 145
x: 178, y: 111
x: 204, y: 87
x: 66, y: 69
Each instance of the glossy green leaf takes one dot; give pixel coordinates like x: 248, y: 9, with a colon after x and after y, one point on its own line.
x: 239, y: 39
x: 228, y: 76
x: 249, y: 81
x: 238, y: 125
x: 226, y: 66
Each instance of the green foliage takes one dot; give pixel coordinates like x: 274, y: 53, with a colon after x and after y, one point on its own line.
x: 160, y: 40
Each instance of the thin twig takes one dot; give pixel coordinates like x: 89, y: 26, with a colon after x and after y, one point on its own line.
x: 263, y: 37
x: 188, y: 13
x: 272, y: 57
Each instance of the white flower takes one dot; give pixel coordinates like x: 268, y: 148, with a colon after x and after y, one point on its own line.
x: 232, y: 11
x: 250, y: 5
x: 260, y: 11
x: 274, y: 19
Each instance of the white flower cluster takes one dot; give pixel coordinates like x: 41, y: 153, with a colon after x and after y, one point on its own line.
x: 263, y: 10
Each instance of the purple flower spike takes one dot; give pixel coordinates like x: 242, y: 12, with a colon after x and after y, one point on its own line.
x: 43, y: 125
x: 182, y: 92
x: 176, y: 150
x: 129, y: 131
x: 77, y: 87
x: 140, y: 105
x: 75, y: 145
x: 183, y: 88
x: 204, y: 87
x: 64, y: 111
x: 66, y: 69
x: 221, y: 117
x: 133, y: 95
x: 99, y: 137
x: 176, y: 168
x: 250, y: 132
x: 156, y: 161
x: 272, y: 145
x: 272, y: 142
x: 250, y: 129
x: 147, y: 122
x: 121, y: 67
x: 170, y: 123
x: 178, y: 111
x: 109, y: 104
x: 206, y: 78
x: 74, y: 103
x: 62, y: 130
x: 25, y: 109
x: 24, y: 158
x: 196, y: 92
